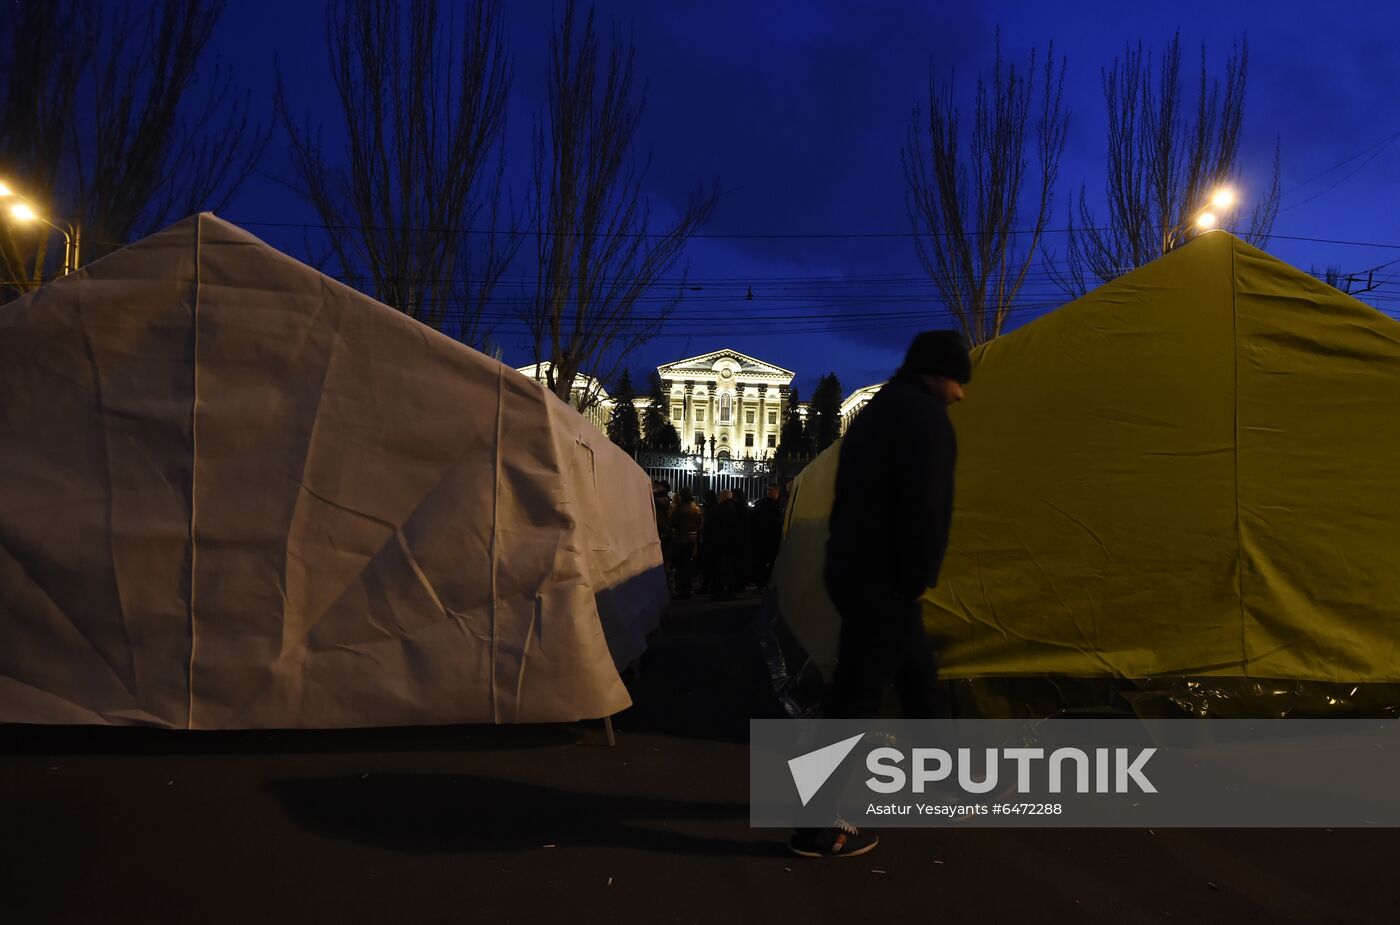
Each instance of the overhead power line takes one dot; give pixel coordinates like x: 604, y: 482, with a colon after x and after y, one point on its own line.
x: 739, y: 236
x: 1375, y: 150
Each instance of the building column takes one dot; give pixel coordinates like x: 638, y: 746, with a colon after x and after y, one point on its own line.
x: 711, y: 424
x: 687, y: 432
x: 750, y: 406
x: 762, y: 438
x: 782, y: 410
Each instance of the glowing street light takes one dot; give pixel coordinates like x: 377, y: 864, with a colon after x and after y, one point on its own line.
x: 24, y: 212
x: 1203, y: 220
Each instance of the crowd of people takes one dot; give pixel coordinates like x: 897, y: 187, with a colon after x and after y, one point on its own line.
x: 723, y: 543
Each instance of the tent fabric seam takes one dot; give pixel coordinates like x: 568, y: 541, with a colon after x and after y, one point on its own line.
x: 1239, y: 526
x: 194, y: 456
x: 496, y: 537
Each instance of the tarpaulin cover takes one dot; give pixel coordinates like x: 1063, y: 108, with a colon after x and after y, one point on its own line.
x: 237, y: 494
x: 1191, y: 471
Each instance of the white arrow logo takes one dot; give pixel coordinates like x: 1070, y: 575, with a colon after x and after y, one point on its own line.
x: 811, y: 770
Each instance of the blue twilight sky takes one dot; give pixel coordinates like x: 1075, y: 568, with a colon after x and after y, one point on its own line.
x: 800, y: 108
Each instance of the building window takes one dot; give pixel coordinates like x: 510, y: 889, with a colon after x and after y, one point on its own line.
x: 726, y: 407
x: 772, y: 417
x: 699, y: 414
x: 675, y: 412
x: 748, y: 439
x: 772, y: 441
x: 748, y: 417
x: 699, y: 439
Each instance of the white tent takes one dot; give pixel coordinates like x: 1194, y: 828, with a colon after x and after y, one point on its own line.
x: 237, y: 494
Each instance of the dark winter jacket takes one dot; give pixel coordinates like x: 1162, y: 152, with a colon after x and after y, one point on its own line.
x: 663, y: 515
x: 894, y: 495
x: 767, y: 524
x: 722, y: 528
x: 686, y: 521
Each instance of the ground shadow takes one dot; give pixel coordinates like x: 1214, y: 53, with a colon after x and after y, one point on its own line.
x: 136, y: 740
x: 703, y: 677
x: 463, y: 813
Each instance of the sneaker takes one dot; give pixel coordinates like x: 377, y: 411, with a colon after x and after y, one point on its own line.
x: 841, y: 840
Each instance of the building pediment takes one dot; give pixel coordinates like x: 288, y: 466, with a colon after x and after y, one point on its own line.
x: 857, y: 399
x: 706, y: 364
x: 583, y: 382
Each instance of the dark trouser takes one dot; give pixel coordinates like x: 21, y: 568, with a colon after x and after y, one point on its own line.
x: 683, y: 558
x: 765, y: 628
x: 707, y: 565
x: 722, y: 579
x: 882, y: 644
x: 763, y: 565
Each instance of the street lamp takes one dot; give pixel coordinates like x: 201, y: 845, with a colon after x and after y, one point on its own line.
x: 1203, y: 219
x: 23, y: 211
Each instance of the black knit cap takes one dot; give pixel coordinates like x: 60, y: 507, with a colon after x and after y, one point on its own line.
x: 939, y: 353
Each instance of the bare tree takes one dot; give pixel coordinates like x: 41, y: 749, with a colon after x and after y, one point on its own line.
x: 965, y: 206
x: 411, y: 203
x: 154, y: 153
x: 103, y: 127
x: 43, y: 55
x: 1162, y: 163
x: 595, y: 259
x: 1333, y: 276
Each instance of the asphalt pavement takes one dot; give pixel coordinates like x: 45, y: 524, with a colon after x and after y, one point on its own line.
x: 550, y: 824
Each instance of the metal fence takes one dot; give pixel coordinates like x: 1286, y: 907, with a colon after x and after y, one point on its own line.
x: 701, y: 473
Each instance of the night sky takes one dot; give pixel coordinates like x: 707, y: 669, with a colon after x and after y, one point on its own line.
x: 799, y: 110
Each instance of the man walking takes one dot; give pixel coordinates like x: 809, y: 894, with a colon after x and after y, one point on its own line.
x: 888, y: 534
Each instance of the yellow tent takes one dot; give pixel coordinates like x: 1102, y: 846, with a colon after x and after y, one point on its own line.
x: 1191, y: 471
